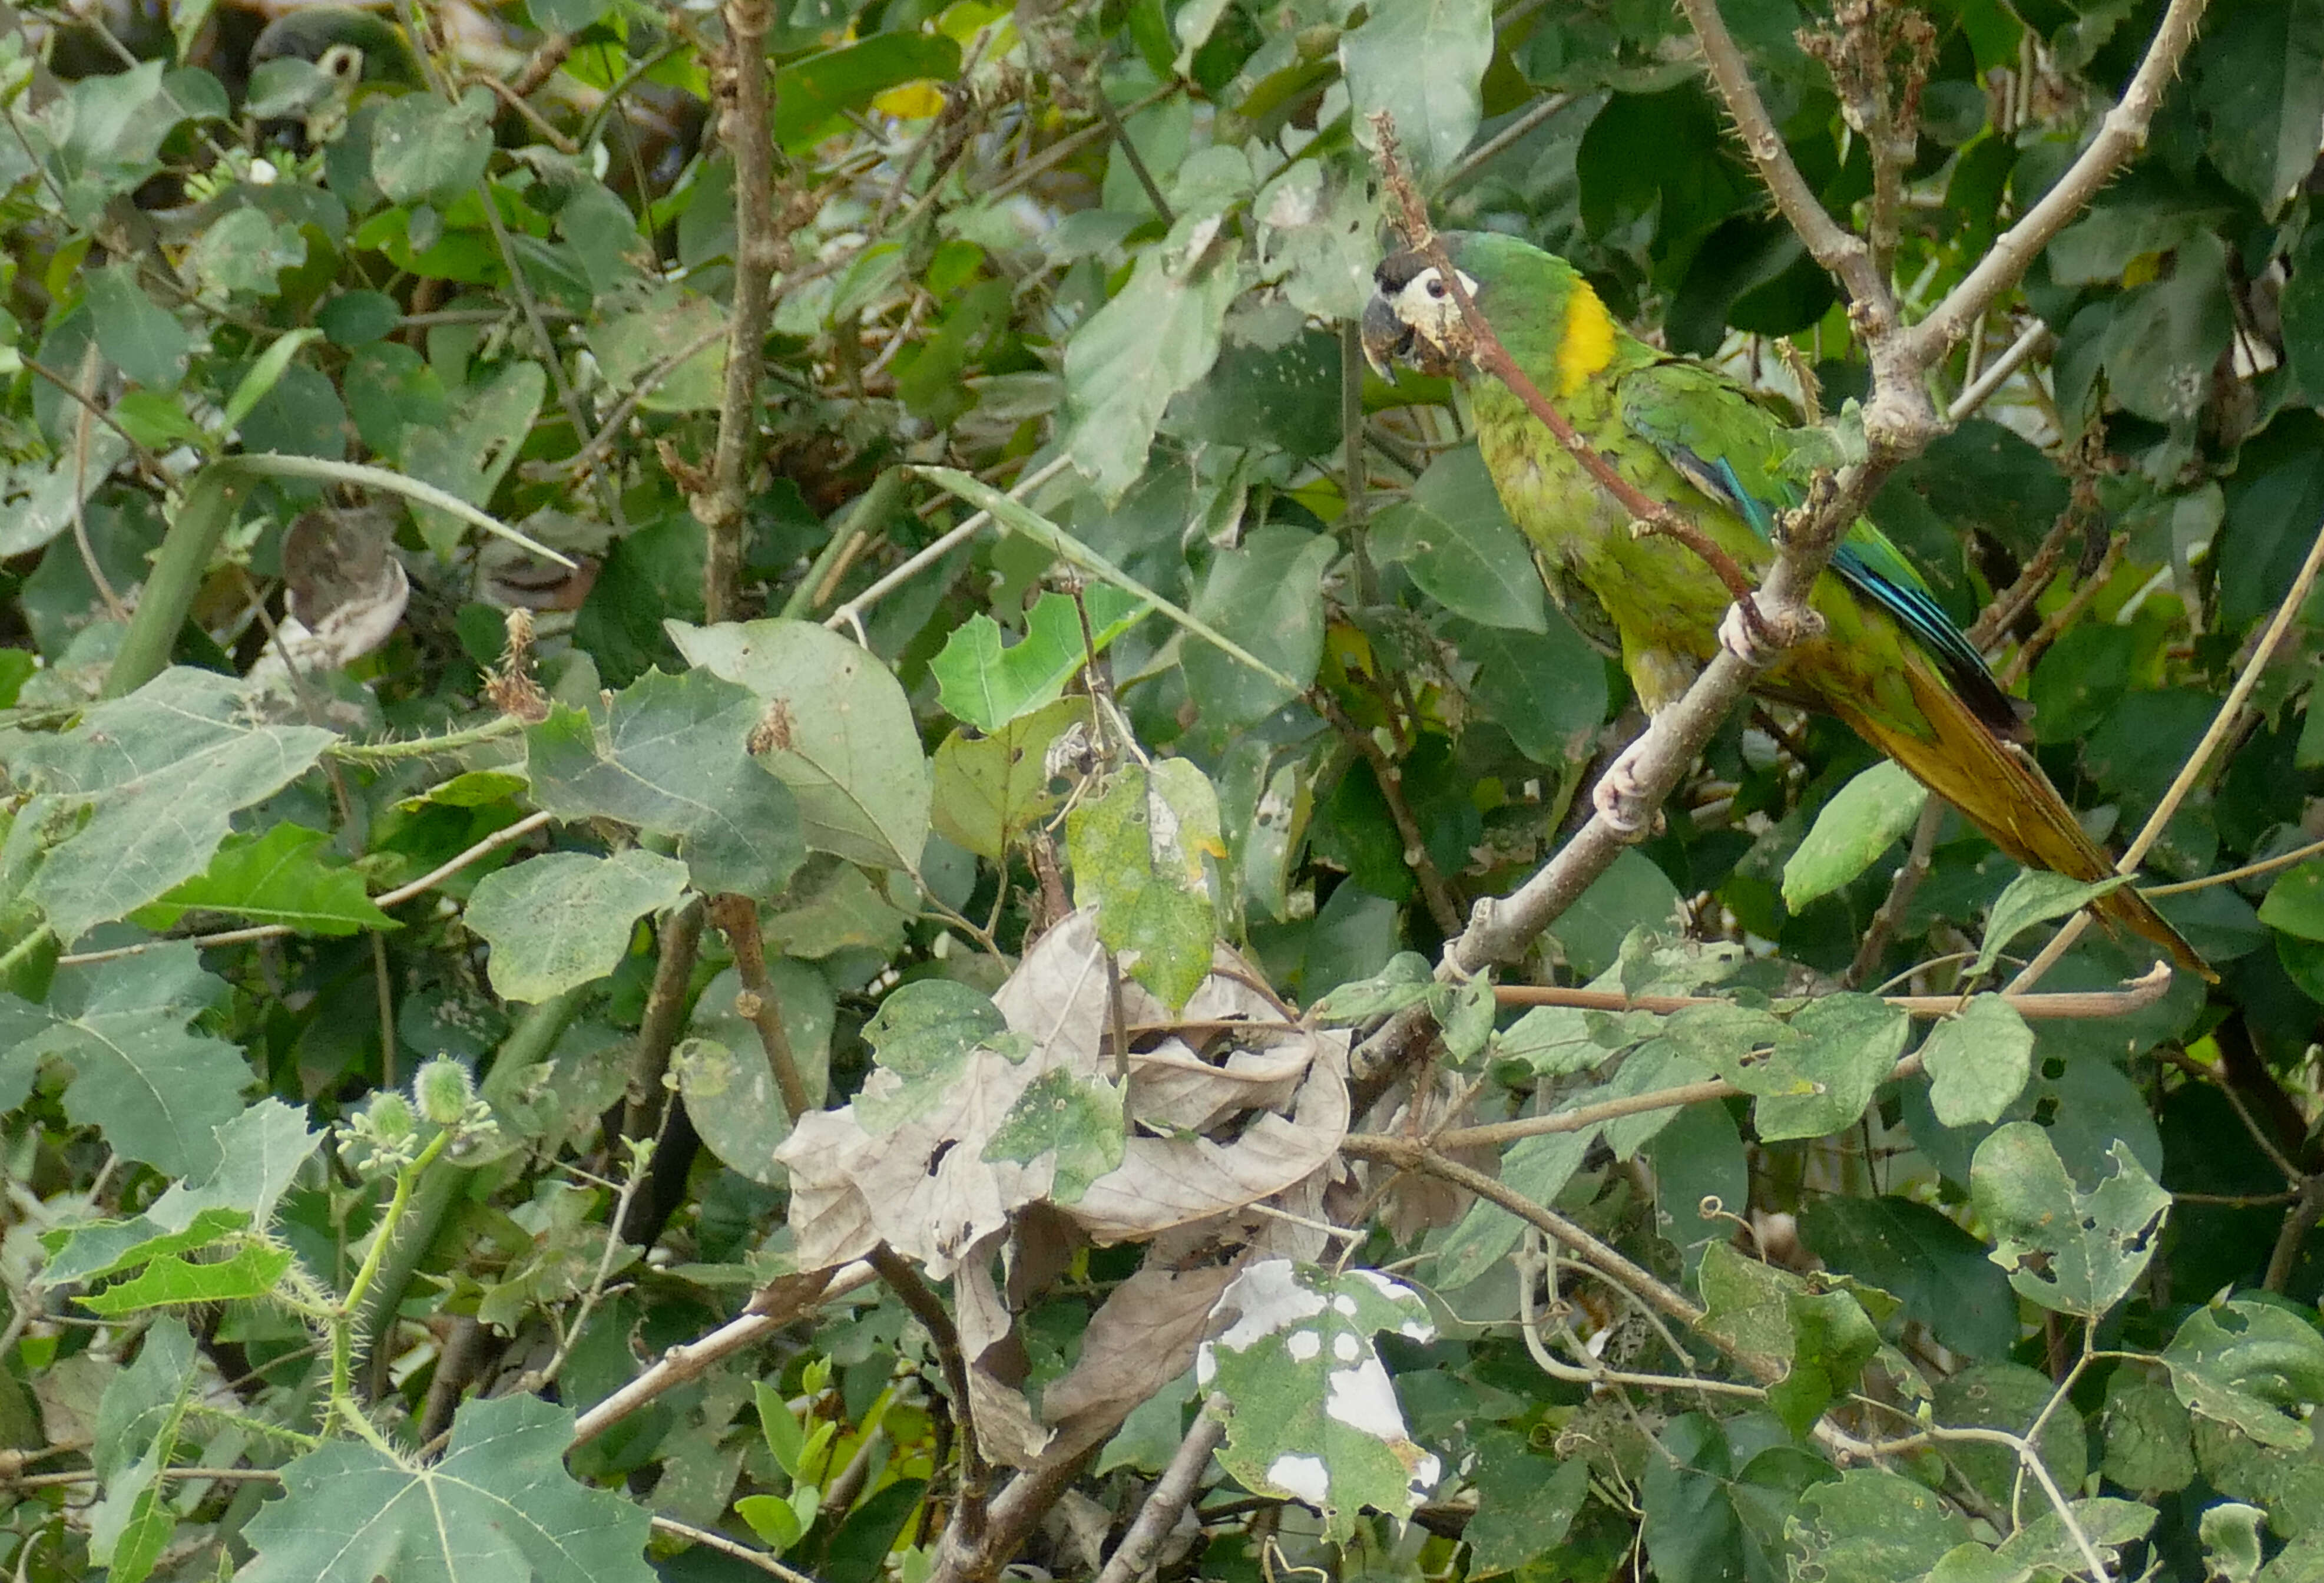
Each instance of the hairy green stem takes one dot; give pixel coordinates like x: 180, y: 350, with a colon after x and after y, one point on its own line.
x: 203, y: 517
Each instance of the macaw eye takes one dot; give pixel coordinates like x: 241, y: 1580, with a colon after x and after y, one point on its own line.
x: 1436, y: 288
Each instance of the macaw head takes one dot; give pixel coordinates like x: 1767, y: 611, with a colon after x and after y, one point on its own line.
x: 1537, y: 302
x: 1411, y: 317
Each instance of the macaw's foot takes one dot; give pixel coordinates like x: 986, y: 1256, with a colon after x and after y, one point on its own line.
x: 1620, y: 801
x: 1742, y: 636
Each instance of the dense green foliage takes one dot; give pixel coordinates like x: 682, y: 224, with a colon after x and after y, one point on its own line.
x: 491, y: 894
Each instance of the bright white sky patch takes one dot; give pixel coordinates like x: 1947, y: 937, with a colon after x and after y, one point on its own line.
x: 1303, y: 1476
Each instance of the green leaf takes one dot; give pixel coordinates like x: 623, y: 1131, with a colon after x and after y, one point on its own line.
x: 2250, y: 1365
x: 1157, y: 336
x: 243, y: 252
x: 671, y: 755
x: 1547, y: 689
x: 985, y: 684
x: 988, y: 790
x: 1848, y: 1045
x: 151, y: 778
x: 924, y: 1031
x: 137, y: 336
x: 1079, y: 1120
x: 2295, y: 902
x: 423, y: 149
x: 1017, y: 518
x: 265, y: 375
x: 836, y: 729
x: 157, y: 1090
x: 1869, y: 1526
x: 139, y: 1422
x: 1631, y: 895
x: 1137, y: 851
x: 2034, y: 896
x: 2259, y: 90
x: 1977, y: 1062
x: 564, y: 919
x: 1769, y: 1319
x: 1863, y: 820
x: 257, y: 1156
x: 1455, y: 539
x: 1268, y: 594
x: 1525, y: 1503
x: 1406, y: 980
x: 468, y: 455
x: 1484, y: 1236
x: 810, y: 93
x: 723, y: 1072
x: 276, y: 878
x: 2009, y: 1396
x: 2231, y: 1542
x: 2068, y: 1250
x: 172, y: 1282
x: 499, y: 1504
x: 1938, y: 1269
x: 2149, y: 1439
x: 1699, y: 1157
x: 1423, y: 61
x: 1315, y: 1418
x: 2045, y: 1547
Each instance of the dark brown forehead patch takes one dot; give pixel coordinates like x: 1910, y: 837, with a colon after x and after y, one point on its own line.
x: 1399, y: 269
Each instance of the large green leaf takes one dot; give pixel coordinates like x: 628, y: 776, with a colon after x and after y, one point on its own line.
x: 835, y: 727
x: 1266, y: 594
x: 499, y: 1506
x: 986, y: 682
x: 2250, y: 1365
x: 2260, y: 89
x: 278, y: 877
x: 1977, y: 1062
x: 988, y: 790
x: 1547, y: 689
x: 1157, y: 336
x: 564, y: 919
x: 155, y: 1089
x: 471, y: 453
x: 422, y: 148
x: 150, y: 779
x: 2068, y: 1250
x: 258, y: 1154
x: 1863, y: 820
x: 1455, y: 539
x: 1423, y: 61
x: 1871, y: 1526
x: 671, y: 755
x: 143, y: 339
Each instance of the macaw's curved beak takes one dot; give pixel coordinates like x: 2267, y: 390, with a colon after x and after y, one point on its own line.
x: 1384, y: 336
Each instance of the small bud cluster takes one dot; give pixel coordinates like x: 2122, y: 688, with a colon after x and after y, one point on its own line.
x: 389, y: 1133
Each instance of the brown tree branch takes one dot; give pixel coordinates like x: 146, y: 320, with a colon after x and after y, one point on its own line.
x: 1843, y: 255
x: 2071, y: 1004
x: 746, y: 126
x: 1416, y: 1154
x: 2121, y: 135
x: 665, y: 1015
x: 1390, y: 776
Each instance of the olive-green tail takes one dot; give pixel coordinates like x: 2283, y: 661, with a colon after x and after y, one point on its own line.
x: 2001, y: 790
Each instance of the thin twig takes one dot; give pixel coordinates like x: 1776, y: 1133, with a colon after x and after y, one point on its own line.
x: 2298, y: 854
x: 643, y: 1102
x: 1501, y: 142
x: 778, y: 1306
x: 1891, y: 915
x: 1390, y: 777
x: 1981, y: 387
x: 2072, y: 1005
x: 400, y: 894
x: 1414, y: 1154
x: 2223, y: 724
x: 851, y: 612
x: 729, y: 1547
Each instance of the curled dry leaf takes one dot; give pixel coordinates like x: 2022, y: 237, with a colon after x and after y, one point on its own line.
x: 918, y: 1160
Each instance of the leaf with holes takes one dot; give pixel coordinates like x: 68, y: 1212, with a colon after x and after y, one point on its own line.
x: 2251, y: 1365
x: 564, y: 919
x: 2068, y: 1250
x: 1314, y: 1417
x: 1138, y: 853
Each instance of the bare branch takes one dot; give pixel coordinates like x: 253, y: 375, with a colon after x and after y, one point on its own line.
x: 1134, y: 1555
x: 2121, y: 135
x: 746, y: 127
x: 1843, y: 255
